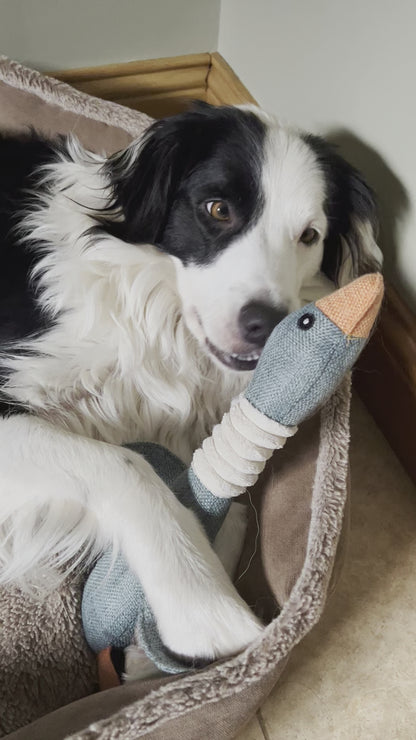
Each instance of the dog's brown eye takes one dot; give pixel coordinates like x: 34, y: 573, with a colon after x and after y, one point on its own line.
x: 218, y: 209
x: 309, y: 236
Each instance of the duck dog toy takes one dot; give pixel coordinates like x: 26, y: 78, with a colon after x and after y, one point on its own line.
x: 303, y: 362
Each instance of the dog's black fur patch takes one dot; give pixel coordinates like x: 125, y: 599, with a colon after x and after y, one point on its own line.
x: 206, y: 154
x: 349, y: 201
x: 20, y: 159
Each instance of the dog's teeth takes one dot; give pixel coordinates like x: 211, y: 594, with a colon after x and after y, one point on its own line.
x: 246, y: 358
x: 230, y: 357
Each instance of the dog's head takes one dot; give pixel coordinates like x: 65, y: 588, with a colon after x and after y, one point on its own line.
x: 250, y: 210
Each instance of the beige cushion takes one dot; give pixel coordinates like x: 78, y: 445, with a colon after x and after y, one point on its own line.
x: 299, y: 503
x: 29, y: 99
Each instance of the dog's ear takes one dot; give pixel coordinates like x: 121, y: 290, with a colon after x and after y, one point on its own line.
x: 350, y: 248
x: 146, y: 176
x: 142, y: 179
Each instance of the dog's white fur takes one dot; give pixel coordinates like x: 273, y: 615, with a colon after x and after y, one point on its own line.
x: 126, y: 361
x: 268, y: 263
x: 120, y: 364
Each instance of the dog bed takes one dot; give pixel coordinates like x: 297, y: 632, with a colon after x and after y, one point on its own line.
x: 291, y: 556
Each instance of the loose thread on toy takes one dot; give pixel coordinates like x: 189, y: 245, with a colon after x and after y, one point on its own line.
x: 256, y: 538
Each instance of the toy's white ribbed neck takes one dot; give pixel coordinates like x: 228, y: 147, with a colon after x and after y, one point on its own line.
x: 231, y: 460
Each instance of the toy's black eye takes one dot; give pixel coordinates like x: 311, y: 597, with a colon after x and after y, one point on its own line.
x: 306, y: 321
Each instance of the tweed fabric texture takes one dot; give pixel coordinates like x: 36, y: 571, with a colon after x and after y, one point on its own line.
x: 115, y: 610
x: 302, y: 368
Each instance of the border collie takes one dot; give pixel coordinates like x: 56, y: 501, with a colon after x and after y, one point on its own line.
x: 137, y: 292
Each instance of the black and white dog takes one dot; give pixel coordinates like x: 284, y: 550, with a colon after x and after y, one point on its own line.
x: 137, y: 293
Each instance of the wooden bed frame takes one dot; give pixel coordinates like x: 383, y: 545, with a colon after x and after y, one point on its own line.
x: 386, y: 374
x: 162, y: 87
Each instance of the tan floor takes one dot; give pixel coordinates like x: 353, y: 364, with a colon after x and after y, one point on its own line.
x: 354, y: 676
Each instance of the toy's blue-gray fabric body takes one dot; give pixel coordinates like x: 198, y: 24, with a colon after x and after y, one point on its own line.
x: 114, y: 605
x: 302, y: 364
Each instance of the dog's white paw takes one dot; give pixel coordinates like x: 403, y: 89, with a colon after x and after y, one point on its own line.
x: 217, y: 629
x: 137, y: 665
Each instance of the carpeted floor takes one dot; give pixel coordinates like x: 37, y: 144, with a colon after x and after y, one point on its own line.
x: 354, y: 676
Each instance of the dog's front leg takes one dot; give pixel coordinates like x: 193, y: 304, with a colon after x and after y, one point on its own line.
x: 45, y: 471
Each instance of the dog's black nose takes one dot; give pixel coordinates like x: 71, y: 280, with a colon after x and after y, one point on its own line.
x: 257, y: 321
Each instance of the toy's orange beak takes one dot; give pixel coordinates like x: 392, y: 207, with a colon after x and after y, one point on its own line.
x: 354, y: 308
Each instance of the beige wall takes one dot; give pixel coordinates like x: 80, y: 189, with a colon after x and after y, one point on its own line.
x: 58, y: 34
x: 346, y: 69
